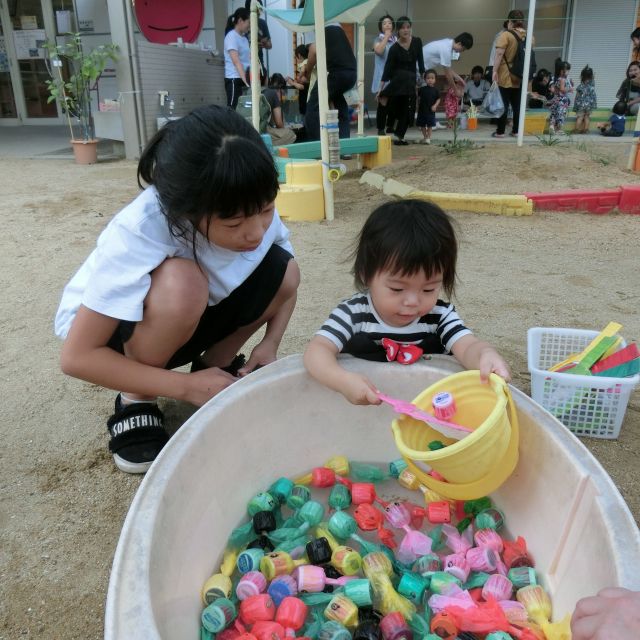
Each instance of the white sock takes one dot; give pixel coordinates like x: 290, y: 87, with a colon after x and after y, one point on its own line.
x: 126, y: 400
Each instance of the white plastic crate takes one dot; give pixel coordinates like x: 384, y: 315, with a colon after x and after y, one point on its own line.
x: 588, y: 405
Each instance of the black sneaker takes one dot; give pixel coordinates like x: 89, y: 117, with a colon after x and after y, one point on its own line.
x: 400, y: 142
x: 137, y: 435
x: 381, y: 132
x: 237, y: 363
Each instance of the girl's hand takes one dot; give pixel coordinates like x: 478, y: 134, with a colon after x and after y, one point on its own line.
x: 492, y: 362
x: 613, y: 613
x: 207, y: 383
x: 265, y: 352
x: 358, y: 389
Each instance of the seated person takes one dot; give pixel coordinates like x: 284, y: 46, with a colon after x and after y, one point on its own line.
x: 280, y: 134
x: 615, y: 127
x: 476, y: 87
x: 540, y: 90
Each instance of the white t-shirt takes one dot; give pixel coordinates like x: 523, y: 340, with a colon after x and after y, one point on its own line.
x: 437, y: 53
x: 115, y: 278
x: 234, y: 41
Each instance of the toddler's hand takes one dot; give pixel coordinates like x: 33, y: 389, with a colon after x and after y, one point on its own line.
x: 207, y: 383
x: 358, y: 389
x: 492, y: 362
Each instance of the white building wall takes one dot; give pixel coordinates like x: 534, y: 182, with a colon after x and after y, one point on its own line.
x: 600, y: 38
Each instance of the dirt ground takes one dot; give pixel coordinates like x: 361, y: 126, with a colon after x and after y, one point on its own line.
x: 63, y: 501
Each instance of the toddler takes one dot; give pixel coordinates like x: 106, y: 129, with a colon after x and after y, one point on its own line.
x: 405, y: 258
x: 585, y: 101
x: 615, y: 127
x: 561, y: 88
x: 428, y: 101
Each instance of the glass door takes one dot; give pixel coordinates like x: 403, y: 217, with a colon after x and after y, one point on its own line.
x: 8, y: 109
x: 26, y: 24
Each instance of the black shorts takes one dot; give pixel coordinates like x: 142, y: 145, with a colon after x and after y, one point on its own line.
x: 427, y: 119
x: 242, y: 307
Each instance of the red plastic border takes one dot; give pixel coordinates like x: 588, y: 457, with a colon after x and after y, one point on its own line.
x: 626, y: 199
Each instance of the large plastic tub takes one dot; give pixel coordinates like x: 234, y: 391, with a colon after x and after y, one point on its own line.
x: 278, y: 421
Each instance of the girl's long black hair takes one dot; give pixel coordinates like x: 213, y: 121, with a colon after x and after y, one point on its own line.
x: 210, y: 163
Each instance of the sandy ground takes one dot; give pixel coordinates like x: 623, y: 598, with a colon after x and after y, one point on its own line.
x: 63, y: 501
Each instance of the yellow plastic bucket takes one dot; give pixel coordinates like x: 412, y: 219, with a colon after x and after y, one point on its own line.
x: 479, y: 463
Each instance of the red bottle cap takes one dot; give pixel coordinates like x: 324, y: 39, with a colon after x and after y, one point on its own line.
x: 363, y: 493
x: 438, y: 512
x: 266, y: 630
x: 292, y: 613
x: 256, y: 608
x: 323, y: 477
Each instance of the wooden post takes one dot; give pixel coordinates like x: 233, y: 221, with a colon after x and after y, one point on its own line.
x: 360, y: 85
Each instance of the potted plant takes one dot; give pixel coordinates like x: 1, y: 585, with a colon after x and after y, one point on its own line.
x: 71, y: 86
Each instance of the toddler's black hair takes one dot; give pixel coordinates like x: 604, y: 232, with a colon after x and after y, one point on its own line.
x: 619, y: 108
x: 302, y: 50
x: 405, y: 237
x: 477, y: 69
x: 586, y: 75
x: 428, y: 71
x: 384, y: 17
x: 210, y: 163
x: 561, y: 65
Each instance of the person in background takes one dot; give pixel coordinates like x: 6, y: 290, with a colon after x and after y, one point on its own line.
x: 629, y: 91
x: 476, y: 87
x: 440, y: 53
x: 540, y: 90
x: 562, y: 88
x: 488, y: 72
x: 428, y: 101
x: 301, y: 82
x: 586, y: 100
x: 264, y: 42
x: 398, y: 83
x: 341, y: 76
x: 381, y: 45
x: 280, y: 134
x: 506, y: 51
x: 615, y: 127
x: 237, y: 56
x: 613, y: 614
x: 635, y: 41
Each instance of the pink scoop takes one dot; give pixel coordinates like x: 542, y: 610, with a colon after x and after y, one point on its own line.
x: 448, y: 429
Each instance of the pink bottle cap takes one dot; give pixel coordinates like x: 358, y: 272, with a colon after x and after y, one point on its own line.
x: 309, y: 578
x: 444, y: 406
x: 251, y: 584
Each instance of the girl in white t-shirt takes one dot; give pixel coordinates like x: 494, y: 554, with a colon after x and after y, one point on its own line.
x: 186, y: 273
x: 237, y: 56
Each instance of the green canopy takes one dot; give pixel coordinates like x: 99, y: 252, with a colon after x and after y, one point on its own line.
x: 334, y: 11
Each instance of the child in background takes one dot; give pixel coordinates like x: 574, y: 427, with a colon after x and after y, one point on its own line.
x: 562, y: 88
x: 428, y: 101
x: 300, y: 82
x: 476, y: 87
x: 186, y: 273
x: 615, y: 127
x: 405, y: 257
x: 452, y: 104
x: 586, y: 100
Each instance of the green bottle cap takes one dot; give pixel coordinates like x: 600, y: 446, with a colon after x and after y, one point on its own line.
x: 359, y: 591
x: 434, y: 445
x: 281, y: 489
x: 397, y: 467
x: 342, y: 525
x: 312, y: 512
x: 340, y: 497
x: 412, y: 586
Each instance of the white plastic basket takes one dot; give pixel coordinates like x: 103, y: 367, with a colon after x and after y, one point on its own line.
x: 588, y: 405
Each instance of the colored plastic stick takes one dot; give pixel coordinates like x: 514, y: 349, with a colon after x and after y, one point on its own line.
x: 622, y: 370
x: 610, y: 330
x: 627, y: 354
x: 448, y: 429
x: 583, y: 368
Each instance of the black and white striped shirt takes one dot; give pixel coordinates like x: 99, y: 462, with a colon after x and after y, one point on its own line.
x: 358, y: 315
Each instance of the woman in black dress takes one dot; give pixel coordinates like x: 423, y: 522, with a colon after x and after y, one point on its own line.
x: 400, y: 73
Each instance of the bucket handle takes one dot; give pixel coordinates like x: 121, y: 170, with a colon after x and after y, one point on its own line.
x: 513, y: 414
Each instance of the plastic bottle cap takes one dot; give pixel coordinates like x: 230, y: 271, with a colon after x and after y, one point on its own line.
x: 264, y: 521
x: 261, y: 542
x: 444, y: 405
x: 319, y: 551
